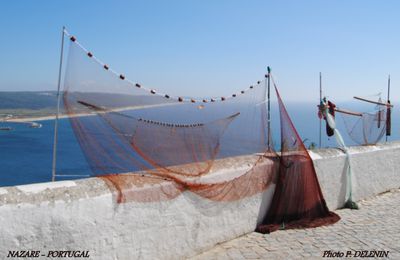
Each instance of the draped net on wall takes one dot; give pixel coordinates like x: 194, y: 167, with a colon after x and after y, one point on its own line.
x: 298, y: 201
x: 132, y: 135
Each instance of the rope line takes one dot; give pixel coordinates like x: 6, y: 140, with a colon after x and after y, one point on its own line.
x: 144, y: 120
x: 153, y: 91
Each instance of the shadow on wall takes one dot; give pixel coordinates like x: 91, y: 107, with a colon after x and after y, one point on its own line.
x: 268, y: 194
x: 266, y: 201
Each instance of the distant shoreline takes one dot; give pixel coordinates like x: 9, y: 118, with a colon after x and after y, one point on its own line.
x: 52, y: 117
x: 34, y: 119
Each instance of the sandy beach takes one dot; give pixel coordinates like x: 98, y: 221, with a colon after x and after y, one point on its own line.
x: 52, y: 117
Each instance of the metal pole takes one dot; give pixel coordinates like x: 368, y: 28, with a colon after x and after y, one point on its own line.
x: 53, y: 170
x: 388, y: 93
x: 388, y: 101
x: 269, y: 107
x: 320, y: 120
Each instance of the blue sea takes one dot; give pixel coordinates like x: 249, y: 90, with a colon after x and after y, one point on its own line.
x: 26, y: 153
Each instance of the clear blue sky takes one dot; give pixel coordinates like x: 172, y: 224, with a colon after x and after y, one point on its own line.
x: 210, y: 47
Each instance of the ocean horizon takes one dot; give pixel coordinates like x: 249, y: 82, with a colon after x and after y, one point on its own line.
x: 27, y: 152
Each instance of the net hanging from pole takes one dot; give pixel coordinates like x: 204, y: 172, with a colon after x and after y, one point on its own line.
x: 367, y: 128
x: 327, y: 111
x: 364, y: 128
x: 129, y: 133
x: 298, y: 201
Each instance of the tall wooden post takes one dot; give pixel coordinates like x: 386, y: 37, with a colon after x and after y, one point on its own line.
x: 269, y: 107
x: 320, y: 120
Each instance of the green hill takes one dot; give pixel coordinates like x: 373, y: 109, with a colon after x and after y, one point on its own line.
x: 28, y: 103
x: 44, y: 103
x: 28, y: 100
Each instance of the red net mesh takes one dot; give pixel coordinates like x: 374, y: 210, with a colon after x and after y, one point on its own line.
x: 298, y: 201
x: 151, y: 147
x: 131, y: 136
x: 147, y: 188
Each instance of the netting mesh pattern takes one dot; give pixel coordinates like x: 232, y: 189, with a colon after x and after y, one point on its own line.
x: 298, y: 201
x: 148, y: 188
x: 123, y: 130
x: 149, y: 147
x: 367, y: 129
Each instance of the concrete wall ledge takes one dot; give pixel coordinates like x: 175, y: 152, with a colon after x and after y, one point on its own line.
x: 84, y: 215
x: 376, y: 169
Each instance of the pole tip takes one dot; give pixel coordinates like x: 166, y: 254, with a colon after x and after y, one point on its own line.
x: 269, y: 69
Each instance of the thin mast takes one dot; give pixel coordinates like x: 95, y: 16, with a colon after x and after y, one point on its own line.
x: 53, y: 169
x: 388, y: 101
x: 320, y: 120
x: 269, y: 107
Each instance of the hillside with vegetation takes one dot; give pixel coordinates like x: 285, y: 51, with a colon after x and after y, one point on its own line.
x: 28, y: 103
x: 22, y: 104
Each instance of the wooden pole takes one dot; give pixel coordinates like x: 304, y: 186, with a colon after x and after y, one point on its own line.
x: 348, y: 112
x: 373, y: 102
x: 388, y: 101
x: 53, y: 169
x: 388, y: 93
x: 269, y: 107
x: 320, y: 120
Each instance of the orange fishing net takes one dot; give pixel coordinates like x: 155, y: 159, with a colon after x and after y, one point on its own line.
x: 150, y: 146
x: 131, y: 134
x: 298, y: 201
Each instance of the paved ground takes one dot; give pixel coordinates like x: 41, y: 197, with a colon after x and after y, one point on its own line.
x: 376, y: 226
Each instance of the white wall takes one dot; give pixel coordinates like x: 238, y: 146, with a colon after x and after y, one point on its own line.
x: 84, y: 215
x: 376, y: 169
